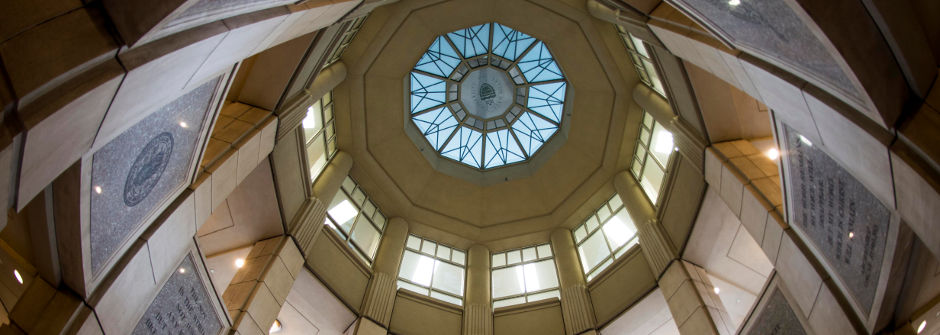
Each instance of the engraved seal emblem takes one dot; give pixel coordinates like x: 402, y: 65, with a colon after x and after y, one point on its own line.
x: 147, y: 169
x: 487, y: 93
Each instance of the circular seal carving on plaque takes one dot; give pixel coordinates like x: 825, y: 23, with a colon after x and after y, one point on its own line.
x: 487, y: 93
x: 147, y: 169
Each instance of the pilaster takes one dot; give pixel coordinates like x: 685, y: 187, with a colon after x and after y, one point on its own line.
x: 380, y: 294
x: 576, y: 307
x: 478, y: 314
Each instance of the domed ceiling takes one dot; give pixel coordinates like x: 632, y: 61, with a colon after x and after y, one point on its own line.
x: 409, y: 174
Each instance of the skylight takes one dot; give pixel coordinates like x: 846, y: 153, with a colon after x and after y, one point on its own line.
x: 487, y: 96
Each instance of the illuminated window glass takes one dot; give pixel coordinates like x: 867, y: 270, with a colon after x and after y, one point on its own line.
x: 487, y: 96
x: 433, y: 269
x: 352, y: 27
x: 319, y: 135
x: 653, y: 149
x: 604, y: 236
x: 356, y: 219
x: 642, y: 61
x: 524, y: 275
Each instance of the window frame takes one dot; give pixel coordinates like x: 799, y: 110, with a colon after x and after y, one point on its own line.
x: 638, y: 58
x: 346, y: 38
x: 436, y: 258
x: 327, y: 131
x: 664, y: 166
x: 347, y: 237
x: 522, y: 262
x: 613, y: 253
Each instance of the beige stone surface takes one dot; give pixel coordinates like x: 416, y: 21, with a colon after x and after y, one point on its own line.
x: 827, y: 316
x: 798, y: 274
x: 544, y: 318
x: 626, y: 282
x: 732, y: 189
x: 123, y: 301
x: 223, y: 180
x: 173, y: 238
x: 239, y: 43
x: 278, y: 280
x: 782, y: 92
x: 203, y: 200
x: 247, y: 156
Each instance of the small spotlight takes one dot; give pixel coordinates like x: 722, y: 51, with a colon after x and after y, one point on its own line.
x: 182, y: 270
x: 805, y: 140
x: 772, y: 153
x: 19, y: 278
x: 184, y: 124
x: 98, y: 189
x: 275, y: 327
x: 923, y: 324
x: 734, y: 2
x: 717, y: 290
x: 851, y: 235
x: 239, y: 263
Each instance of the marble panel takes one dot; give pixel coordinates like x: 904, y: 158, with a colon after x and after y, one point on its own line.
x: 842, y: 219
x: 777, y: 318
x: 775, y: 31
x: 134, y: 174
x: 183, y: 306
x: 797, y: 273
x: 205, y: 10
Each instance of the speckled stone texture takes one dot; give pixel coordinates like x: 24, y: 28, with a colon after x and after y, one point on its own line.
x: 183, y: 306
x: 142, y: 168
x: 777, y: 318
x: 841, y: 217
x: 205, y: 8
x: 771, y: 28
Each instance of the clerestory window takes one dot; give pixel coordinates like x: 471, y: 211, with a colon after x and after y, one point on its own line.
x: 651, y: 157
x: 433, y: 269
x: 604, y: 236
x: 319, y: 135
x: 643, y: 61
x: 524, y: 275
x: 356, y: 219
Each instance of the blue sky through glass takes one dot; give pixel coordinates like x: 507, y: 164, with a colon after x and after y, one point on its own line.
x: 486, y: 142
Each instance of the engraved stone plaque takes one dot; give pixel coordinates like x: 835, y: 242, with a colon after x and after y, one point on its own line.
x: 772, y: 29
x: 183, y: 306
x: 777, y: 318
x: 842, y: 219
x: 134, y: 174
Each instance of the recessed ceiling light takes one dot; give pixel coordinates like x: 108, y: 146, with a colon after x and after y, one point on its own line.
x: 16, y: 273
x: 239, y: 263
x: 734, y: 2
x: 851, y: 235
x: 717, y: 290
x: 184, y: 124
x: 923, y: 324
x: 182, y: 270
x: 98, y: 189
x: 805, y: 140
x: 772, y: 153
x: 276, y: 327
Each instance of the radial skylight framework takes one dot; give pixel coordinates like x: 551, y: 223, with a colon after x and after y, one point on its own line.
x: 487, y: 96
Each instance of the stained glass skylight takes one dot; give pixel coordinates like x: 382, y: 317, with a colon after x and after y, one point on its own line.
x: 487, y: 96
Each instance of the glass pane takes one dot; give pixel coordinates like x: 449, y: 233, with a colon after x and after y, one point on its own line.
x: 428, y: 248
x: 412, y: 287
x: 379, y: 220
x: 599, y: 269
x: 448, y: 278
x: 416, y: 268
x: 603, y: 213
x: 513, y: 257
x: 644, y: 136
x: 640, y: 152
x: 640, y: 47
x: 636, y: 168
x: 662, y: 145
x: 358, y: 196
x: 368, y: 208
x: 619, y: 229
x: 366, y: 237
x: 349, y: 185
x: 458, y: 257
x: 580, y: 234
x: 499, y: 260
x: 509, y: 302
x: 312, y: 122
x: 545, y: 295
x: 447, y: 298
x: 545, y: 250
x: 615, y: 202
x: 528, y: 254
x: 508, y: 281
x: 342, y: 211
x: 540, y: 276
x: 316, y: 157
x: 648, y: 120
x: 652, y: 180
x: 443, y: 252
x: 591, y: 223
x: 593, y: 251
x: 414, y: 243
x: 626, y: 248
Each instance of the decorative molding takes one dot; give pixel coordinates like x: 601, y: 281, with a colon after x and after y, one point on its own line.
x: 576, y: 308
x: 478, y: 319
x: 380, y: 298
x: 307, y: 224
x: 656, y: 246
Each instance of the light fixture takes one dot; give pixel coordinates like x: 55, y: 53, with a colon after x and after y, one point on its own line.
x: 805, y: 140
x: 851, y: 235
x: 772, y: 153
x: 717, y: 290
x: 184, y: 124
x: 275, y: 327
x: 734, y: 2
x: 239, y: 263
x: 182, y: 270
x: 16, y: 273
x: 98, y: 189
x: 923, y: 324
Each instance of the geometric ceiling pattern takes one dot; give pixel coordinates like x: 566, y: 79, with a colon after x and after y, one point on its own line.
x: 487, y: 96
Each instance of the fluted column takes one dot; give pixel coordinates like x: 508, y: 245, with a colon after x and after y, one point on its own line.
x: 478, y: 314
x: 380, y: 294
x: 576, y: 307
x: 309, y: 222
x: 295, y: 109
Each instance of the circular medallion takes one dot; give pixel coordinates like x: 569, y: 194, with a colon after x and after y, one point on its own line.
x: 147, y: 169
